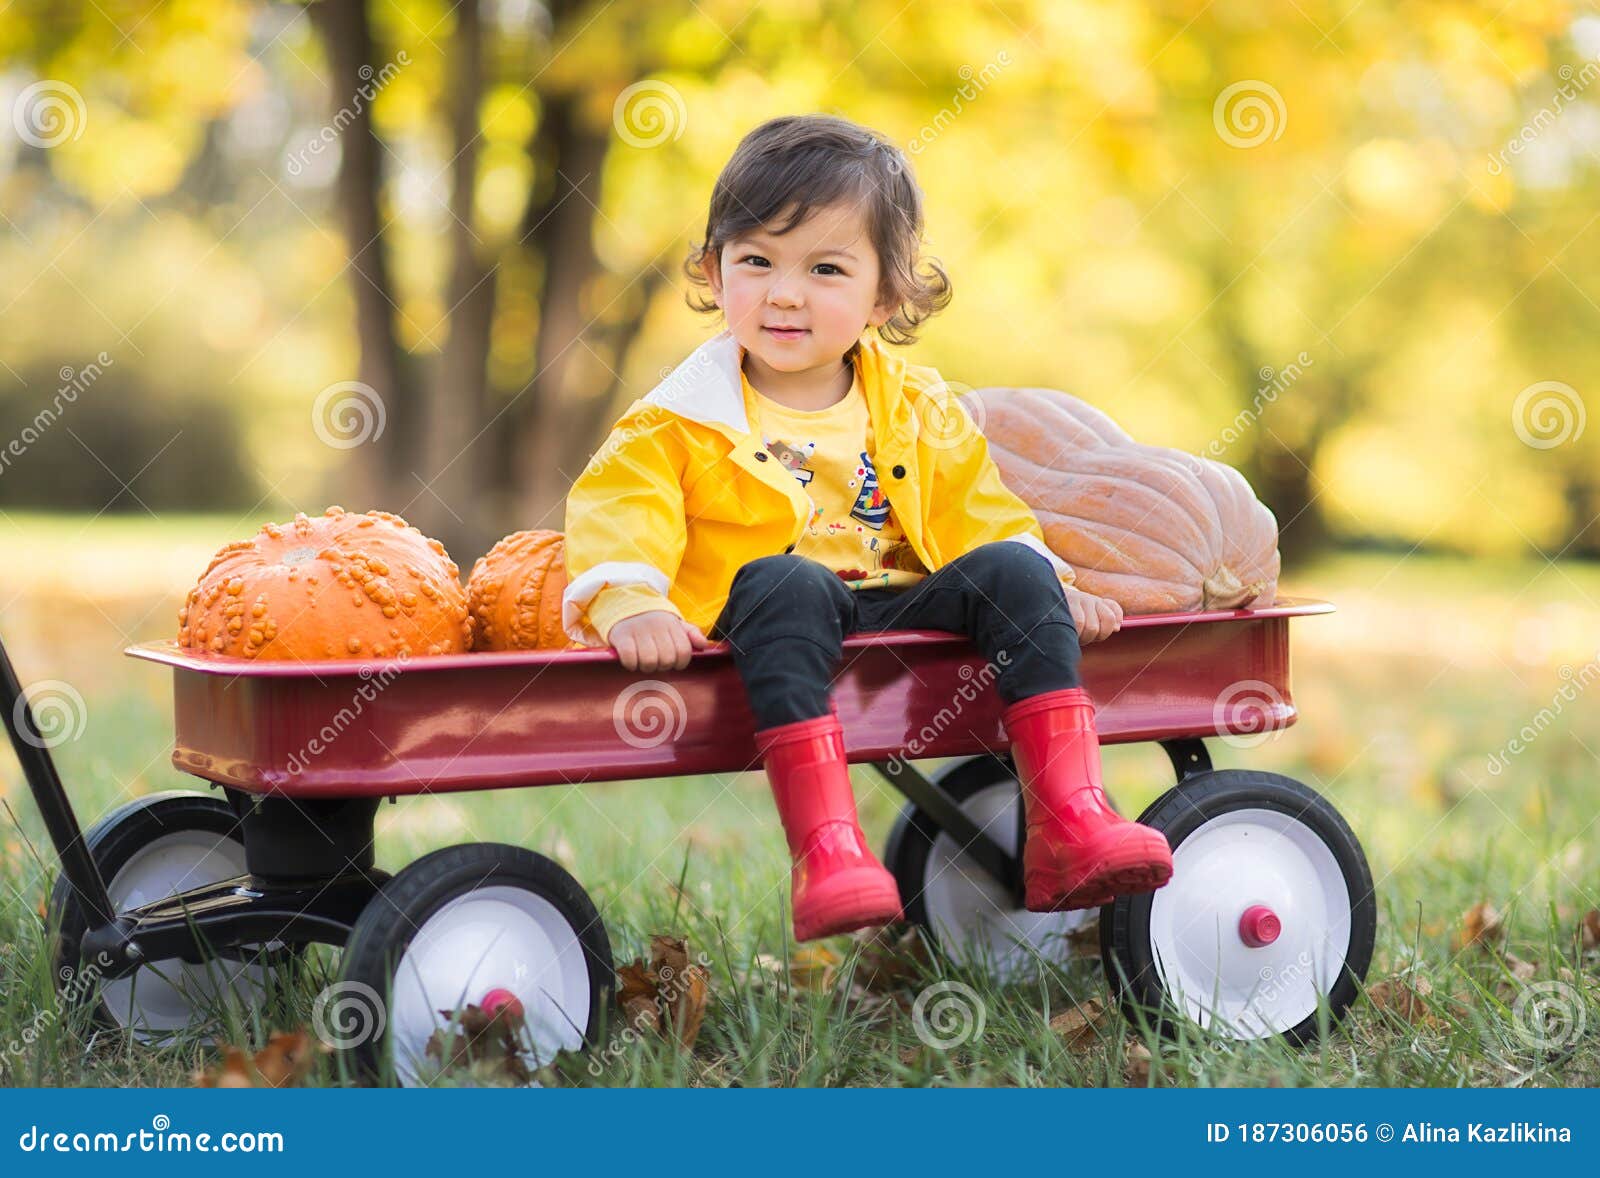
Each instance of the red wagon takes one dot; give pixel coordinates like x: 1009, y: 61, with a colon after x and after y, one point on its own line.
x: 1265, y: 929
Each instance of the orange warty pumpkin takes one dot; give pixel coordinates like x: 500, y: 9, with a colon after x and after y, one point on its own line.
x: 1154, y: 529
x: 514, y: 594
x: 340, y: 585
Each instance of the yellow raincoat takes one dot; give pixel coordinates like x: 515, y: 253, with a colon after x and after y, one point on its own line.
x: 683, y: 494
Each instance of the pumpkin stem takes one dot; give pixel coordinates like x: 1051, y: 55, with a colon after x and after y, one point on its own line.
x: 1223, y: 590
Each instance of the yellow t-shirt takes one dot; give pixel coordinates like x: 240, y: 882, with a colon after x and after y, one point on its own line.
x: 853, y: 529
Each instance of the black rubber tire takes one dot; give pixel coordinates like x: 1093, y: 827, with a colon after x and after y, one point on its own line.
x: 113, y: 842
x: 911, y: 839
x: 386, y: 926
x: 1125, y: 922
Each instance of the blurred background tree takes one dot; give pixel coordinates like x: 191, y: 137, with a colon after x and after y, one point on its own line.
x: 418, y: 255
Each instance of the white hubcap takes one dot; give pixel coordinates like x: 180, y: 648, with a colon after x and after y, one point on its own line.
x: 973, y: 916
x: 1243, y: 860
x: 498, y: 937
x: 166, y: 996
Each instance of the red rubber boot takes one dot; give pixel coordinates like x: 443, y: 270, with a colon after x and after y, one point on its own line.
x: 1078, y: 852
x: 836, y: 884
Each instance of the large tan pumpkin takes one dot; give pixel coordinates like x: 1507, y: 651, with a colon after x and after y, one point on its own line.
x: 514, y: 594
x: 339, y: 585
x: 1154, y: 529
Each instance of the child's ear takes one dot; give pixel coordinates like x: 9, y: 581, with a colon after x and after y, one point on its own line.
x: 711, y: 267
x: 881, y: 314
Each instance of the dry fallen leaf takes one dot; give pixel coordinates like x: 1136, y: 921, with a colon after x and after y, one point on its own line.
x: 671, y: 993
x: 1406, y: 999
x: 1481, y: 926
x: 637, y: 996
x: 812, y: 966
x: 489, y: 1045
x: 1079, y: 1026
x: 891, y: 956
x: 1136, y: 1065
x: 285, y: 1062
x: 686, y: 1007
x: 1589, y: 930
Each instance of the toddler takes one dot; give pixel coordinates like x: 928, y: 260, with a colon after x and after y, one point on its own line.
x: 793, y: 481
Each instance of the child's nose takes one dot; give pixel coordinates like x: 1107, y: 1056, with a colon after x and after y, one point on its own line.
x: 784, y: 291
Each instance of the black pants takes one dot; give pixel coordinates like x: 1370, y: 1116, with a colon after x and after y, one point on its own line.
x: 787, y: 616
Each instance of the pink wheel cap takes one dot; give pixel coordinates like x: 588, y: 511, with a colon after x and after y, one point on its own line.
x: 500, y: 999
x: 1259, y: 926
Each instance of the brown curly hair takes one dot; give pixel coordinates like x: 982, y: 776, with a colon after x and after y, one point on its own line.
x: 810, y: 161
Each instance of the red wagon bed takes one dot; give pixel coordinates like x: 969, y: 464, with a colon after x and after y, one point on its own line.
x: 497, y: 720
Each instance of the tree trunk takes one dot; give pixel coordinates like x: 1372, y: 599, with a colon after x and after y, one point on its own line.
x: 378, y: 467
x: 561, y: 235
x: 458, y: 442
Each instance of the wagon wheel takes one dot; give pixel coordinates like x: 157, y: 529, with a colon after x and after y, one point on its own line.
x: 150, y: 849
x: 964, y: 908
x: 450, y: 930
x: 1269, y: 914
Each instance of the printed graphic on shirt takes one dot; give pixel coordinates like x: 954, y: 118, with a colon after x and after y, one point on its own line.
x: 851, y: 528
x: 872, y: 505
x: 794, y: 458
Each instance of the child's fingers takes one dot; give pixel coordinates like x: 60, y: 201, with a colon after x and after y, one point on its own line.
x: 680, y: 648
x: 627, y: 651
x: 661, y: 652
x: 698, y: 640
x: 1075, y: 608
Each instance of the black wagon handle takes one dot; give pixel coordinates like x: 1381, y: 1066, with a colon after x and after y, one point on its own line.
x: 51, y: 798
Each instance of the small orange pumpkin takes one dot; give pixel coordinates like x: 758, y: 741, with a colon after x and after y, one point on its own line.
x: 514, y: 594
x: 340, y: 585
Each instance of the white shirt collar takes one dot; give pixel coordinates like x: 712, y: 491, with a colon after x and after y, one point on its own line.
x: 707, y: 386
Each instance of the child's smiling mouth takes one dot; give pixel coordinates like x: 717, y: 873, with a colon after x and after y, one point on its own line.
x: 786, y: 333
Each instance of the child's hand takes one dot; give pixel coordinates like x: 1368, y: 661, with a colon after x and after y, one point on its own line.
x: 656, y: 640
x: 1095, y: 617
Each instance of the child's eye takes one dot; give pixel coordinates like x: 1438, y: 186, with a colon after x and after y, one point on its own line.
x: 830, y: 267
x: 754, y: 258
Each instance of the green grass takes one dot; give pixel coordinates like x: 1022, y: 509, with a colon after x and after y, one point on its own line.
x: 1397, y: 724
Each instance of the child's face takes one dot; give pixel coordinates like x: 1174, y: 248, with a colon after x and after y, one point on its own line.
x: 821, y: 278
